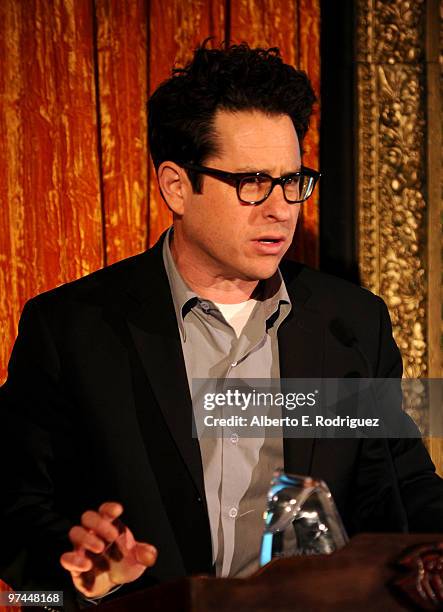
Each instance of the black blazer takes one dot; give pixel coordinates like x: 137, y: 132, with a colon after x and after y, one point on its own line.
x: 96, y: 407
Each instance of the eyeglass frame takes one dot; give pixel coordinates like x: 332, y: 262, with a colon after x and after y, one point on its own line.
x: 237, y: 177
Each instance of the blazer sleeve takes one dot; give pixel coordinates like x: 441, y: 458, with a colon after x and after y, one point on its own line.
x: 419, y: 487
x: 33, y: 532
x: 38, y: 417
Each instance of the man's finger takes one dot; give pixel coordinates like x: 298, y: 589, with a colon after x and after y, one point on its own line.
x: 111, y: 510
x: 75, y: 562
x: 99, y: 525
x: 82, y: 538
x: 145, y: 554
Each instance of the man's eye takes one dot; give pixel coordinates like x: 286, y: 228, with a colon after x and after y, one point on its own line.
x: 292, y: 180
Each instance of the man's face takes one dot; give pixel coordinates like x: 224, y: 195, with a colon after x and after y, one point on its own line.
x: 225, y: 236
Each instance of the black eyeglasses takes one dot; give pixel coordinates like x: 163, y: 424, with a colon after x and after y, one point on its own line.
x: 255, y: 187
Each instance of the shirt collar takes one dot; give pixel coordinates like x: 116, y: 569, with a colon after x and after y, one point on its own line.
x: 183, y: 296
x: 273, y: 290
x: 274, y: 293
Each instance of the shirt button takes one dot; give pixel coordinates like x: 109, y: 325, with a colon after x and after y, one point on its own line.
x: 233, y: 512
x: 233, y: 364
x: 205, y: 306
x: 234, y: 438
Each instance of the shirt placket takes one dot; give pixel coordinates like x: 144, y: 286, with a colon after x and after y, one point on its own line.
x: 236, y: 473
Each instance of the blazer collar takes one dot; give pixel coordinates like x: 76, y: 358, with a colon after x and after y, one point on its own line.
x: 302, y: 334
x: 301, y: 341
x: 153, y: 327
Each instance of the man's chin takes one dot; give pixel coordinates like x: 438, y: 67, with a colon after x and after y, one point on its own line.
x: 260, y: 273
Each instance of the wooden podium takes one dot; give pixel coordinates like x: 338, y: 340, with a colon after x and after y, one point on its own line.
x: 357, y: 578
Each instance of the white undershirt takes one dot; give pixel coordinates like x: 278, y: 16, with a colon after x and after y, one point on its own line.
x: 237, y: 315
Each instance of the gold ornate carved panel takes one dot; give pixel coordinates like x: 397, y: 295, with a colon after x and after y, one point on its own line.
x: 398, y: 47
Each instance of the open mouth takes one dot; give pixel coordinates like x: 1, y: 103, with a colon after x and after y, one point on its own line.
x: 270, y: 240
x: 270, y: 245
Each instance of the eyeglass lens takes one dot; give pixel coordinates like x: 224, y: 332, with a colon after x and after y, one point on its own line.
x: 255, y: 188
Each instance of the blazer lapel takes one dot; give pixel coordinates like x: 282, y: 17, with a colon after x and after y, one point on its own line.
x: 153, y: 327
x: 301, y: 340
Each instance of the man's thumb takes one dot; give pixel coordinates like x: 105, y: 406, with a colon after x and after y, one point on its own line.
x: 146, y: 554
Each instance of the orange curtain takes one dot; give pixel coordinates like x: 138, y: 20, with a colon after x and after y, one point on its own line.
x: 77, y: 190
x: 4, y: 588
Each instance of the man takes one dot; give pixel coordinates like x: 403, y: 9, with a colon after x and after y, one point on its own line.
x: 98, y: 400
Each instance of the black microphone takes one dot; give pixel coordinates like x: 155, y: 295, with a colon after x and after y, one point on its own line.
x: 346, y: 336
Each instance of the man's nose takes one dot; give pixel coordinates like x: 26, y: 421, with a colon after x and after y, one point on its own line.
x: 276, y: 206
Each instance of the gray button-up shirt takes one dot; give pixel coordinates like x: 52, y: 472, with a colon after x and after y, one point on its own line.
x: 237, y: 471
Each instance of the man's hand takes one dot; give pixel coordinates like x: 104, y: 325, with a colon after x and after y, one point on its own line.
x: 105, y: 552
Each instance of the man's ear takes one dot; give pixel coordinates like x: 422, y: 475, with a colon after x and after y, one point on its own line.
x: 174, y: 185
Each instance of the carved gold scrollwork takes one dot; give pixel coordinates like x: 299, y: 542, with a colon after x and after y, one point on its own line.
x: 391, y: 168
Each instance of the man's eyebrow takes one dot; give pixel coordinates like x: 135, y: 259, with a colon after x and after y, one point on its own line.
x: 263, y: 170
x: 250, y: 169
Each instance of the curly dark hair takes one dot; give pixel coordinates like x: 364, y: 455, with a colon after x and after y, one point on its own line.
x: 182, y: 109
